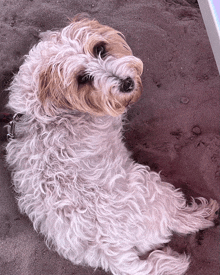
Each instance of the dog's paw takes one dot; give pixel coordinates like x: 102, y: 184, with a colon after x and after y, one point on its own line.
x: 214, y: 210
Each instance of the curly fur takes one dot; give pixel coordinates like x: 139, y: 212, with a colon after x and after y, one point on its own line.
x: 74, y: 177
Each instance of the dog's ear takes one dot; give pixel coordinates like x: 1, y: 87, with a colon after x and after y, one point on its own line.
x: 52, y: 91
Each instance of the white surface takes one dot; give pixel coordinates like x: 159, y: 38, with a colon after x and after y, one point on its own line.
x: 210, y: 10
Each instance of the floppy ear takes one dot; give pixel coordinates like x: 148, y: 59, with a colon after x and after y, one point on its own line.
x: 52, y: 91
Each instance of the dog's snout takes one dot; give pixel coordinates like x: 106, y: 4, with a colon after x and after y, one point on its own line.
x: 127, y: 85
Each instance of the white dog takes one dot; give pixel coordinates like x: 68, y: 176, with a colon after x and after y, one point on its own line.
x: 74, y: 177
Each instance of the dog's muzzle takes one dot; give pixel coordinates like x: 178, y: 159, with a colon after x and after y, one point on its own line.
x: 127, y: 85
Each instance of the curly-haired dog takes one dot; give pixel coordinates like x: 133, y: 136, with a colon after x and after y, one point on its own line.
x: 74, y: 176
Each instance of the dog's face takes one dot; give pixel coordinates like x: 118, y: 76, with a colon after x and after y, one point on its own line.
x: 88, y: 67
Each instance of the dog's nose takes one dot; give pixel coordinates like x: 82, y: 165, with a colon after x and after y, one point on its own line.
x: 127, y: 85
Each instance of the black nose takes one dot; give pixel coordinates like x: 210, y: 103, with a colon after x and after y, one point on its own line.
x: 127, y: 85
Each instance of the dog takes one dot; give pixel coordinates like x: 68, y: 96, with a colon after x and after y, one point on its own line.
x: 74, y: 177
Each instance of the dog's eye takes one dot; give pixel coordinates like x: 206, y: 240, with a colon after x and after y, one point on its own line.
x: 100, y: 50
x: 84, y: 78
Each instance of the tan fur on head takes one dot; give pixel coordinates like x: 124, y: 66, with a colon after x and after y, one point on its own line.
x: 115, y: 41
x: 53, y: 94
x: 76, y: 53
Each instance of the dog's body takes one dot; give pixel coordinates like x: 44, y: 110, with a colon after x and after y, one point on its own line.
x: 74, y: 176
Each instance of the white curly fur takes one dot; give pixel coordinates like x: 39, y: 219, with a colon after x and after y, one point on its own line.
x: 74, y: 177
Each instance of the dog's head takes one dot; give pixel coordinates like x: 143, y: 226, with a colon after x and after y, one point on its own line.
x: 88, y: 67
